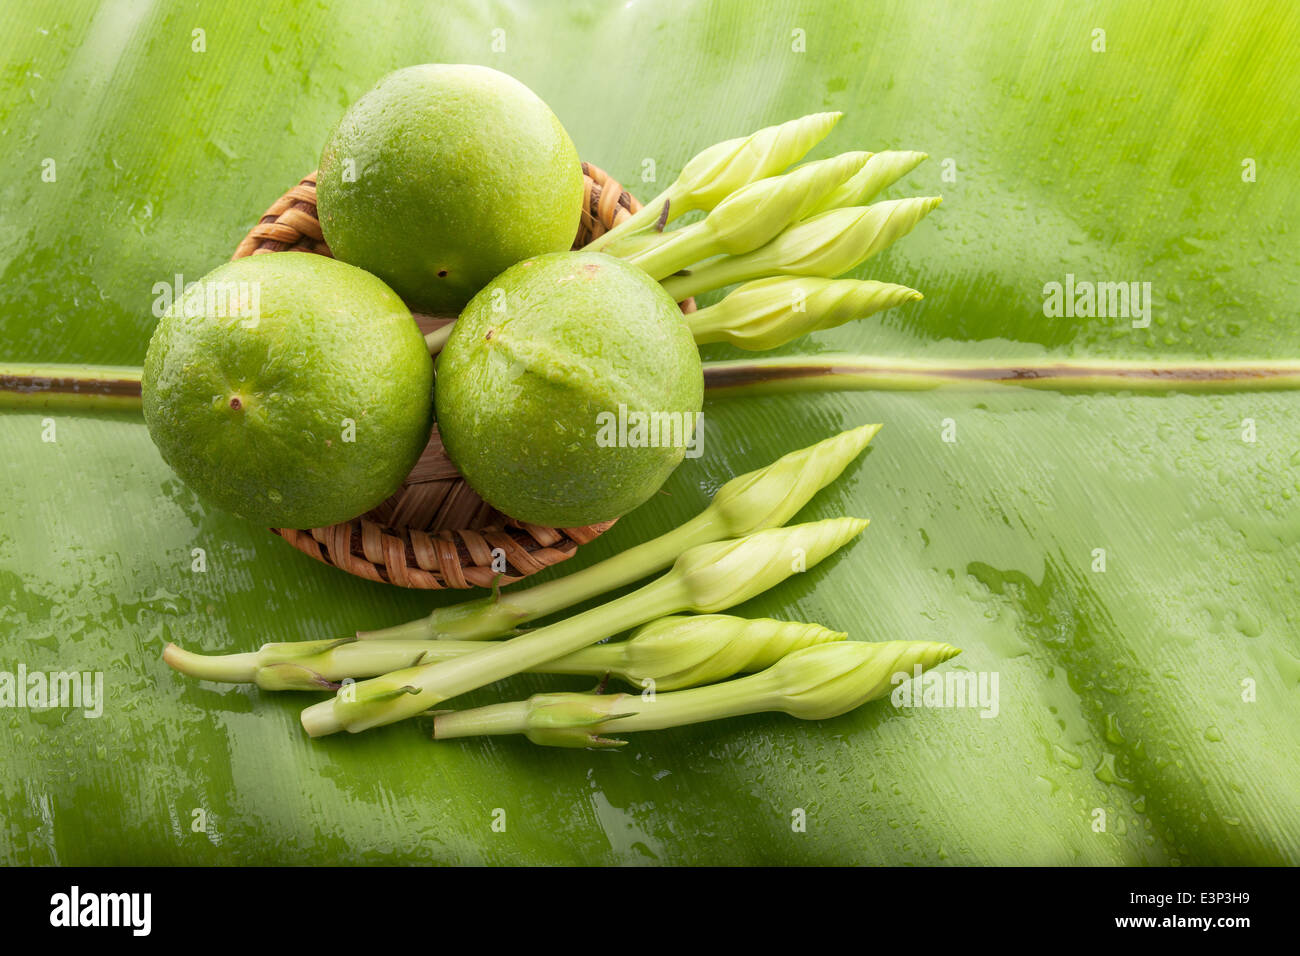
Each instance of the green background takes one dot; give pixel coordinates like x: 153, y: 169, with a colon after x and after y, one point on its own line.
x: 1120, y: 690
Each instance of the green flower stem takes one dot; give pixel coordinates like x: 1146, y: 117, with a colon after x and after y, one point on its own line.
x: 749, y: 218
x: 765, y: 498
x: 717, y: 172
x: 508, y: 718
x: 828, y: 244
x: 815, y: 683
x: 69, y: 386
x: 311, y: 665
x: 881, y: 171
x: 889, y: 373
x: 770, y: 312
x: 422, y: 628
x: 411, y: 691
x: 675, y: 651
x: 706, y: 578
x: 638, y: 242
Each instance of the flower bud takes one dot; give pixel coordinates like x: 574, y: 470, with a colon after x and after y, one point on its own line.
x: 831, y: 679
x: 770, y: 312
x: 688, y: 650
x: 722, y: 574
x: 880, y: 171
x: 721, y: 169
x: 755, y: 215
x: 770, y: 496
x: 828, y: 244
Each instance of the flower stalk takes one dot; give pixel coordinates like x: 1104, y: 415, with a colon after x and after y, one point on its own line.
x: 706, y: 578
x: 815, y: 683
x: 717, y: 172
x: 765, y: 498
x: 770, y: 312
x: 749, y: 218
x: 828, y: 244
x: 672, y: 652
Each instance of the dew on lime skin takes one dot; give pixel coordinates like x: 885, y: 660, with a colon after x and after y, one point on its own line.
x: 231, y: 434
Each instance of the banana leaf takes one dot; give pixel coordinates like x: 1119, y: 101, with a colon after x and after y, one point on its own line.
x: 1125, y: 564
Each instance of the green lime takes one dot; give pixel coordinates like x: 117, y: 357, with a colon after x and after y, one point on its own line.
x: 569, y: 390
x: 289, y: 389
x: 442, y: 176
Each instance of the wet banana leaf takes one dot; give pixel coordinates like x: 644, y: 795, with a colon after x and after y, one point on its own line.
x: 1124, y: 567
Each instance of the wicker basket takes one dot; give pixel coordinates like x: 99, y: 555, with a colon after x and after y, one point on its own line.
x: 434, y: 532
